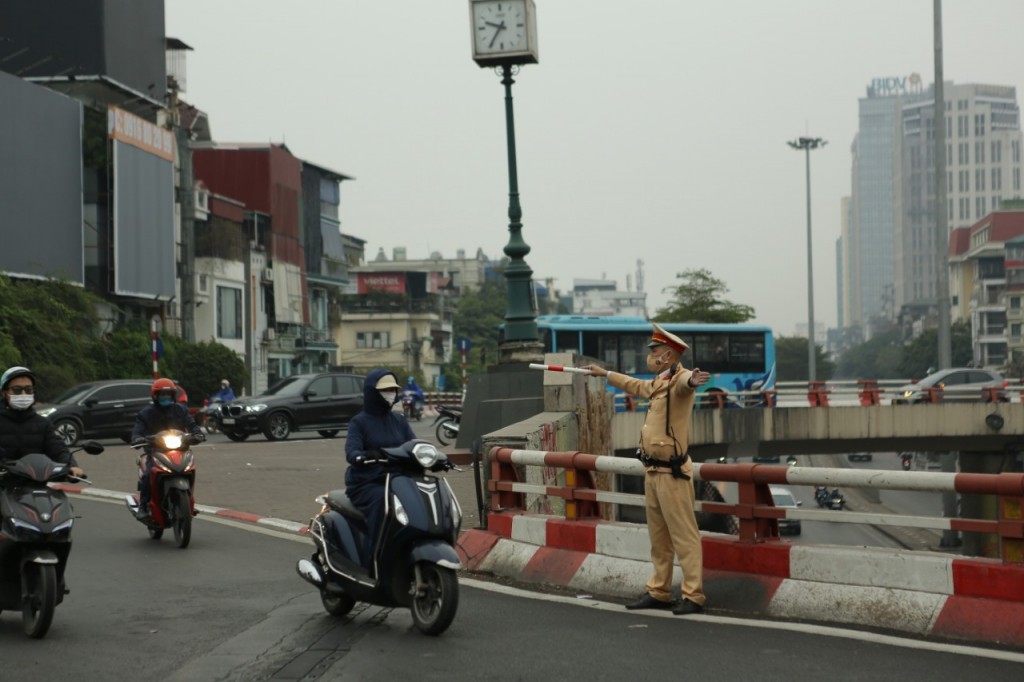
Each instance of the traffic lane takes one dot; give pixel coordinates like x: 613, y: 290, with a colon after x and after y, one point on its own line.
x: 911, y: 502
x: 838, y: 533
x: 279, y: 479
x: 140, y: 609
x: 508, y: 637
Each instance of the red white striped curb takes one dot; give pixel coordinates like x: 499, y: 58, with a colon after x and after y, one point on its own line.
x: 278, y: 524
x: 926, y: 594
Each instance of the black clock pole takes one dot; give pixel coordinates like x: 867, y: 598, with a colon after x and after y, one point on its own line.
x: 521, y: 311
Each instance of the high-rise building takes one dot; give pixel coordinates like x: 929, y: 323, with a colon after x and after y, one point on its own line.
x: 868, y: 270
x: 983, y: 142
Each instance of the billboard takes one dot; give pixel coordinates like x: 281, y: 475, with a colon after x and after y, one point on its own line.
x: 391, y: 282
x: 145, y: 248
x: 40, y: 182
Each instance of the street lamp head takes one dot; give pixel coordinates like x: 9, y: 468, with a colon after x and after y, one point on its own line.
x: 807, y: 143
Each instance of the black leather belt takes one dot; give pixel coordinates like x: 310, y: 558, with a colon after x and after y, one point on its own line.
x: 675, y: 463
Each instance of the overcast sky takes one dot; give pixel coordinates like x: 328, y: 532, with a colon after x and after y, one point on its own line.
x: 650, y: 130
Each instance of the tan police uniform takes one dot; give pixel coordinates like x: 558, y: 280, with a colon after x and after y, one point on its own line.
x: 671, y: 522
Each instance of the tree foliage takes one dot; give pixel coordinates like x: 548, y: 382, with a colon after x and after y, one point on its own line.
x: 791, y: 360
x: 52, y: 327
x: 922, y: 354
x: 699, y: 297
x: 877, y: 358
x: 478, y: 316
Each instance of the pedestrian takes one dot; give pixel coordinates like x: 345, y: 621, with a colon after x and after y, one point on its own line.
x: 668, y: 481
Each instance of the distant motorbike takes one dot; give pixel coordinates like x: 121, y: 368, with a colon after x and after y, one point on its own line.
x: 35, y: 538
x: 821, y: 495
x: 447, y: 423
x: 411, y: 406
x: 413, y: 562
x: 172, y: 482
x: 209, y: 415
x: 835, y: 501
x: 906, y: 459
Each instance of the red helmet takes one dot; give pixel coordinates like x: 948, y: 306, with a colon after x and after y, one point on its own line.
x: 161, y: 385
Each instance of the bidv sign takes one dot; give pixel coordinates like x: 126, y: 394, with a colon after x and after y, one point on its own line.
x: 894, y: 85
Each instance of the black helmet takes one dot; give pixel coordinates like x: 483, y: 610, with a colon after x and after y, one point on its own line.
x: 14, y: 373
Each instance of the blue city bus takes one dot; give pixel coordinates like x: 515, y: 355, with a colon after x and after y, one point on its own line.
x: 739, y: 357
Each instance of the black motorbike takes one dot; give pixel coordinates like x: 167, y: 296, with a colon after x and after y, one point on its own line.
x: 447, y: 423
x: 411, y: 406
x: 35, y: 537
x: 906, y: 460
x: 413, y: 562
x: 835, y: 501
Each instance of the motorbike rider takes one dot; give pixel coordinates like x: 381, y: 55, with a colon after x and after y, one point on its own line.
x: 417, y: 393
x: 374, y: 428
x: 22, y: 430
x: 226, y: 394
x: 165, y: 413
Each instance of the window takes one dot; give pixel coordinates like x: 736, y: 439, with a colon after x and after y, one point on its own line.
x: 321, y: 386
x: 1015, y: 303
x: 204, y: 284
x: 1015, y: 150
x: 1015, y: 330
x: 229, y: 313
x: 1016, y: 178
x: 997, y: 179
x: 979, y: 180
x: 373, y: 340
x: 997, y: 151
x: 979, y: 125
x: 979, y: 152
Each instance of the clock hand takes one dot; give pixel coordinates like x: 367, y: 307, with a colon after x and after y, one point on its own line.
x: 501, y: 27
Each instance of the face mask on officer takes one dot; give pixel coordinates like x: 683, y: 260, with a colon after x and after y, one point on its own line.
x: 659, y: 359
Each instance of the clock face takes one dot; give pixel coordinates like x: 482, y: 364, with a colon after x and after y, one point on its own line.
x: 500, y: 26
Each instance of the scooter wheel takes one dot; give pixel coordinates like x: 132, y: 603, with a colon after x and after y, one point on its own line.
x: 433, y: 610
x: 336, y: 604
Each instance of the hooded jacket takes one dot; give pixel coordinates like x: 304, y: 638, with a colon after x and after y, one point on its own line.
x: 375, y: 427
x: 23, y: 432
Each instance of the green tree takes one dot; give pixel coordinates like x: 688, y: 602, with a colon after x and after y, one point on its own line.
x: 478, y: 316
x: 922, y: 353
x: 791, y: 360
x: 699, y: 298
x: 201, y: 366
x: 877, y: 358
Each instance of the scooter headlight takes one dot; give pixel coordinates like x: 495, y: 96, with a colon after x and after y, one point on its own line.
x: 426, y: 454
x: 172, y: 442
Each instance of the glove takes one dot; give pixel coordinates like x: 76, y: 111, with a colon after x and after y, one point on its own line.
x: 199, y: 437
x: 138, y: 441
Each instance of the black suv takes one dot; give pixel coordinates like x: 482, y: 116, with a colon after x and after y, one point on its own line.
x: 98, y: 409
x: 304, y: 402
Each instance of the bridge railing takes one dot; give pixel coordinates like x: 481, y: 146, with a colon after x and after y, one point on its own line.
x: 755, y: 510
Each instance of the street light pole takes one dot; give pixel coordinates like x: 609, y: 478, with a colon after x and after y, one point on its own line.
x: 807, y: 144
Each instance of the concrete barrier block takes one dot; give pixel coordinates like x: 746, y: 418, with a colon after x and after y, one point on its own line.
x: 627, y: 541
x: 873, y: 567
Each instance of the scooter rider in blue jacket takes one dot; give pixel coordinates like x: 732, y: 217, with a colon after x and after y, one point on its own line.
x: 374, y: 428
x: 165, y: 413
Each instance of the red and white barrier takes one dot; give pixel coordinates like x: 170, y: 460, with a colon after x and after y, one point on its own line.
x: 920, y: 593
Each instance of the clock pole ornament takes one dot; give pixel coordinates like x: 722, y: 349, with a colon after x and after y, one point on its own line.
x: 504, y: 35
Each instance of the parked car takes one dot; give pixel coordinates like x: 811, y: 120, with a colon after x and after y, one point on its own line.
x: 98, y: 409
x: 859, y: 456
x: 322, y: 402
x: 783, y: 497
x: 958, y: 384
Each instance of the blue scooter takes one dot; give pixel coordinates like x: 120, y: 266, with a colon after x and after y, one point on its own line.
x: 413, y: 562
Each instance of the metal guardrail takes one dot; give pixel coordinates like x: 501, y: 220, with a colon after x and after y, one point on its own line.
x: 756, y: 512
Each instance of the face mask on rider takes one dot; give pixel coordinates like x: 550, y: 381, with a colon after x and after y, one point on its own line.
x: 20, y: 402
x: 389, y: 396
x: 165, y: 401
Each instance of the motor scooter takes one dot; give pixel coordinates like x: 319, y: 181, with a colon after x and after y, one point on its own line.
x: 412, y: 564
x: 35, y: 536
x: 172, y: 483
x: 447, y: 423
x: 835, y: 501
x: 209, y: 415
x: 906, y: 459
x: 411, y: 407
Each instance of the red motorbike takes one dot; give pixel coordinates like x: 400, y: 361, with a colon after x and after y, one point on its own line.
x: 172, y: 482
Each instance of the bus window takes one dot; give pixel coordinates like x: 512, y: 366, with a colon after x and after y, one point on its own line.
x: 633, y: 353
x: 567, y: 342
x: 746, y: 353
x: 607, y: 350
x: 711, y: 352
